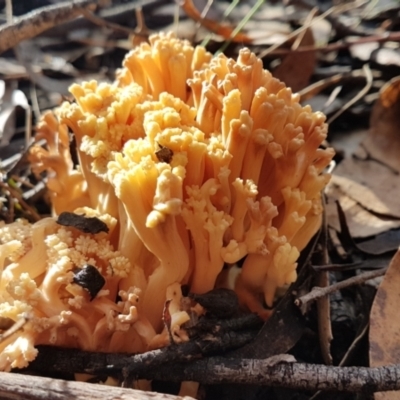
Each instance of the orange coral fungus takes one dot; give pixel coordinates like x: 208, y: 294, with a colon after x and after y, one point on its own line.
x: 201, y: 162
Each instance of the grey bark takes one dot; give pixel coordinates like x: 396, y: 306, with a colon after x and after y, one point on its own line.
x: 26, y: 387
x: 299, y: 376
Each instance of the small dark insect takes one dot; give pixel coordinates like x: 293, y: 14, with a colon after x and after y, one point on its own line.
x: 164, y: 154
x: 90, y: 279
x: 84, y: 224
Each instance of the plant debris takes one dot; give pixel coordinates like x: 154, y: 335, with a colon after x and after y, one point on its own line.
x: 82, y: 223
x: 90, y: 279
x: 343, y: 58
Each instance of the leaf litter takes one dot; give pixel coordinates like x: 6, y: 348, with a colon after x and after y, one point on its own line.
x: 321, y: 60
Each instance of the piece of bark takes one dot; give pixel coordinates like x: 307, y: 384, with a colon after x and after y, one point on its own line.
x: 27, y: 387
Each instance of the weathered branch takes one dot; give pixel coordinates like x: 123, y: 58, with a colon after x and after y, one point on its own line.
x: 74, y: 361
x: 217, y: 370
x: 39, y: 20
x: 26, y: 387
x: 298, y: 376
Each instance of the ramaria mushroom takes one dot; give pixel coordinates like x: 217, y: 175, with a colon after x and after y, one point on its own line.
x: 242, y: 179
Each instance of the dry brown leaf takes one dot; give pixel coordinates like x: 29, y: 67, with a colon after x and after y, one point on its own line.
x: 371, y: 184
x: 360, y: 221
x: 384, y: 332
x: 296, y: 68
x: 383, y: 140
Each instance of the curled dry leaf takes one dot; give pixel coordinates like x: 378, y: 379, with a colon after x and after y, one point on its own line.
x: 296, y: 69
x: 381, y: 244
x: 360, y: 221
x: 384, y: 333
x: 383, y: 140
x: 367, y: 187
x: 374, y: 186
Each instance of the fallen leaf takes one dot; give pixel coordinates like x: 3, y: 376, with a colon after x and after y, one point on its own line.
x: 383, y: 140
x: 371, y: 184
x: 381, y: 244
x: 296, y: 68
x: 360, y: 221
x: 384, y: 332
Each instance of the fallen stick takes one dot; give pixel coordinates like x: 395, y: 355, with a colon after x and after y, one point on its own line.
x: 318, y: 292
x: 32, y: 24
x: 299, y: 376
x: 214, y: 370
x: 27, y: 387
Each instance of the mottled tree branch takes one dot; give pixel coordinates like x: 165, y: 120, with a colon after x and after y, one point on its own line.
x: 267, y: 372
x: 39, y: 20
x: 298, y: 376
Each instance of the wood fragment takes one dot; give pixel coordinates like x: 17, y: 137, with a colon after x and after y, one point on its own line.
x: 324, y: 319
x: 39, y: 20
x: 323, y: 303
x: 26, y: 387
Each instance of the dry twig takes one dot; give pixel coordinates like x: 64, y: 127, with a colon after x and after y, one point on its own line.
x: 107, y: 24
x: 318, y: 292
x: 323, y: 304
x: 335, y: 9
x: 39, y: 20
x: 387, y: 37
